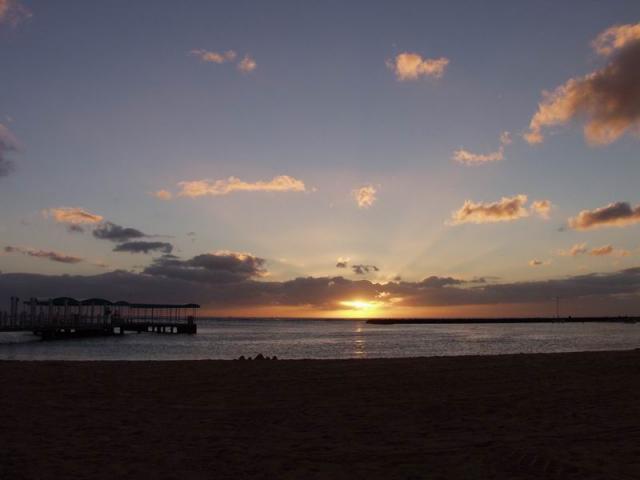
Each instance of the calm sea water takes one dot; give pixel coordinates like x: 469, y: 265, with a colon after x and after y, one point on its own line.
x: 228, y: 339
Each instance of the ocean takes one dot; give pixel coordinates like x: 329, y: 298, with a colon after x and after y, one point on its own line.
x: 326, y: 339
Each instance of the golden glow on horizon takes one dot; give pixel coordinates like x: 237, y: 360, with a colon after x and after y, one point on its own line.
x: 360, y: 308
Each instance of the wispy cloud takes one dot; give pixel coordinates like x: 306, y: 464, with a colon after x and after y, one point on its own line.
x: 44, y: 254
x: 618, y: 214
x: 539, y: 263
x: 505, y: 210
x: 412, y: 66
x: 8, y: 144
x: 246, y: 65
x: 365, y: 196
x: 469, y: 158
x: 73, y: 215
x: 581, y: 249
x: 200, y: 188
x: 162, y: 194
x: 607, y: 99
x: 214, y: 57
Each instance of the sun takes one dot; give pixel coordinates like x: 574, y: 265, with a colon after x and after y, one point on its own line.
x: 359, y: 308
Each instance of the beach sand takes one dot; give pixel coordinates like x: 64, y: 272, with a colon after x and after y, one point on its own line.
x: 561, y: 416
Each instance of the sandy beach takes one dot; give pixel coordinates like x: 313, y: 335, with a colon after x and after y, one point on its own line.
x: 561, y: 416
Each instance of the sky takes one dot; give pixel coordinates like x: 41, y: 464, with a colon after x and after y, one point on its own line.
x: 323, y: 159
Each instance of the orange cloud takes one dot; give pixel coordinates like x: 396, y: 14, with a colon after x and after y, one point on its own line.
x: 616, y: 38
x: 605, y: 250
x: 365, y: 196
x: 469, y: 158
x: 618, y: 214
x: 247, y: 64
x: 542, y: 208
x: 608, y: 100
x: 505, y: 210
x: 199, y: 188
x: 163, y: 194
x: 214, y: 57
x: 73, y: 215
x: 411, y: 66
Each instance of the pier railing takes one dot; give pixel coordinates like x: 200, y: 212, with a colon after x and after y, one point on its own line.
x: 67, y: 315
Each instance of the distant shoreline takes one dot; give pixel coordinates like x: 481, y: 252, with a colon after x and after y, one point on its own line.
x: 476, y: 321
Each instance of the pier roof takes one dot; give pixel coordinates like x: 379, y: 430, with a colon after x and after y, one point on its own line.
x: 61, y: 301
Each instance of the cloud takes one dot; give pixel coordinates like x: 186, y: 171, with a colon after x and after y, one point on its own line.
x: 505, y: 210
x: 218, y: 267
x: 539, y: 263
x: 214, y: 57
x: 541, y: 208
x: 605, y: 250
x: 363, y: 269
x: 575, y: 250
x: 199, y: 188
x: 115, y: 233
x: 75, y: 228
x: 162, y: 194
x: 608, y: 99
x: 12, y: 12
x: 618, y: 214
x: 411, y: 66
x: 616, y: 38
x: 144, y: 247
x: 608, y: 250
x: 47, y: 255
x: 218, y: 287
x: 8, y: 144
x: 365, y: 196
x: 469, y: 158
x: 247, y: 64
x: 73, y: 215
x: 342, y: 262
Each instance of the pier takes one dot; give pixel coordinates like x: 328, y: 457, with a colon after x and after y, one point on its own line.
x: 63, y: 317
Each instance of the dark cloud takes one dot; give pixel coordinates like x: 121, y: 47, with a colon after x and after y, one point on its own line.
x: 438, y: 282
x: 115, y: 233
x: 144, y: 247
x: 223, y: 283
x: 342, y: 264
x: 47, y: 255
x: 75, y: 228
x: 8, y: 144
x: 363, y: 269
x: 618, y: 214
x: 220, y: 267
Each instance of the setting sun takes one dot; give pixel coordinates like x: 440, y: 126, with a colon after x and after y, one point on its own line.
x: 360, y: 307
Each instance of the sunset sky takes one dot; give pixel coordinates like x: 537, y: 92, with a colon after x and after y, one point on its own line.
x: 329, y: 159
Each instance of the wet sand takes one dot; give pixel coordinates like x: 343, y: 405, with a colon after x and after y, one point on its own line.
x: 555, y: 416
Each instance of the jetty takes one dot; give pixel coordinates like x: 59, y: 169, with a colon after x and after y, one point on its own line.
x: 62, y: 317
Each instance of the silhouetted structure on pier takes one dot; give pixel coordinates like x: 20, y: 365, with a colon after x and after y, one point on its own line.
x: 65, y: 316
